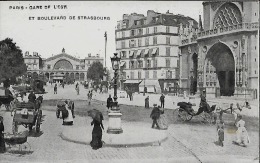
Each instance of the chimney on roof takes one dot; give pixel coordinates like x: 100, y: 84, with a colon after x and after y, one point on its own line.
x: 89, y: 54
x: 200, y: 24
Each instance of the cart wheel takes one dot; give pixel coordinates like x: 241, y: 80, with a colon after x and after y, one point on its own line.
x: 208, y: 118
x: 58, y: 114
x: 25, y: 147
x: 15, y: 127
x: 183, y: 115
x: 38, y: 124
x: 7, y: 107
x: 30, y: 127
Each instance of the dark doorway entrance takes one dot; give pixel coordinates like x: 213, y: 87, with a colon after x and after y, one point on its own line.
x: 193, y: 79
x: 222, y: 60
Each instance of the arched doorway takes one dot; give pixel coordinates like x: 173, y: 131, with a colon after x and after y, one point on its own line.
x: 67, y: 76
x: 77, y: 76
x: 219, y: 69
x: 82, y: 76
x: 72, y: 76
x: 194, y: 75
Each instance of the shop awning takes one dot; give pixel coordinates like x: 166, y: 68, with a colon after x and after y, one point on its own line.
x: 122, y: 64
x: 150, y: 83
x: 132, y: 82
x: 154, y: 51
x: 150, y: 88
x: 138, y: 54
x: 146, y: 51
x: 131, y: 54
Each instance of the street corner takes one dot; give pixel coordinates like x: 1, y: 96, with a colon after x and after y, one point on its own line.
x: 133, y: 135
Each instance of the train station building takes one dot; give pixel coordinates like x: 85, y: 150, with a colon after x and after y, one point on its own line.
x: 60, y: 67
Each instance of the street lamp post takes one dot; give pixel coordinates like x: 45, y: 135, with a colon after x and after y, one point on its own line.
x: 144, y: 88
x: 114, y: 117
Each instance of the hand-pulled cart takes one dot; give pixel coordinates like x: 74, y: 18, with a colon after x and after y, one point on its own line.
x: 61, y: 107
x: 17, y: 140
x: 28, y: 115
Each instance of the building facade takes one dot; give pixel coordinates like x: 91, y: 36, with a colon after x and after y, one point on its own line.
x: 148, y: 46
x: 60, y: 67
x: 222, y: 56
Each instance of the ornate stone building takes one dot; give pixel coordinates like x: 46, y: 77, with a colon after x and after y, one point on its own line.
x: 59, y: 67
x: 222, y: 56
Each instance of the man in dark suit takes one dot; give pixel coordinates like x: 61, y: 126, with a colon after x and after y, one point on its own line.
x: 155, y: 114
x: 109, y: 102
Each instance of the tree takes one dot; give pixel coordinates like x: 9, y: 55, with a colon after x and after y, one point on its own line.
x: 11, y: 61
x: 95, y: 71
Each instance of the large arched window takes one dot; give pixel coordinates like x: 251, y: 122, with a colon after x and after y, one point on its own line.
x: 63, y: 64
x: 227, y: 15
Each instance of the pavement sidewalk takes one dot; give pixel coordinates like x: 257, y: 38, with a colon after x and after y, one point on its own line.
x: 134, y: 135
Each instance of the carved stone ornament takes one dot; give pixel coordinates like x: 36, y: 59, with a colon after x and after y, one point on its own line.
x: 235, y: 45
x: 204, y: 49
x: 215, y: 5
x: 189, y: 50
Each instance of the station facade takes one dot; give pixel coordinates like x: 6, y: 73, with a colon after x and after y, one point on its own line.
x: 60, y: 67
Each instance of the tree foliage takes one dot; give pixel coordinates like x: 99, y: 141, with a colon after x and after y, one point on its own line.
x: 95, y: 71
x: 11, y: 60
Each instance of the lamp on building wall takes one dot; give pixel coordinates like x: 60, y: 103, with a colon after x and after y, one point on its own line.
x: 114, y: 116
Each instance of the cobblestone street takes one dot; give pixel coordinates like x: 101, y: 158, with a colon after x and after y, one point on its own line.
x: 191, y: 141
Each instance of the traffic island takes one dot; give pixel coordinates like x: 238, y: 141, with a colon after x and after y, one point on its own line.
x: 134, y: 135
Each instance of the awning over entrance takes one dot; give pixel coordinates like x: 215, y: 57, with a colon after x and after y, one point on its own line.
x: 152, y: 86
x: 150, y: 82
x: 132, y: 82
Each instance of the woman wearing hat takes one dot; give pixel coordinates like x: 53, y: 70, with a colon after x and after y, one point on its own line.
x: 2, y: 142
x: 242, y: 135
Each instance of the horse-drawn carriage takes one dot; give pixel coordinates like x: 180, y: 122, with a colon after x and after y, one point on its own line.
x: 28, y: 115
x: 186, y: 112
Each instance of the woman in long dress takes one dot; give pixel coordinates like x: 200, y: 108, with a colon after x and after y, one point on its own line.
x: 242, y: 135
x: 162, y: 121
x: 69, y: 119
x: 96, y: 142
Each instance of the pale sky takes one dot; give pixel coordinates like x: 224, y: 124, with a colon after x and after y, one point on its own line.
x: 78, y: 37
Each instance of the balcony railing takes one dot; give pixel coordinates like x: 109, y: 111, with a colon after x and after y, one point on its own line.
x: 221, y: 31
x: 225, y: 30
